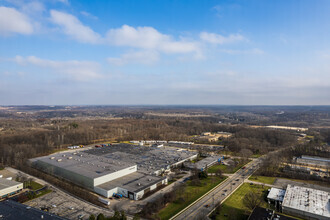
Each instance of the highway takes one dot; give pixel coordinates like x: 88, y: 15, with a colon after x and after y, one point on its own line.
x: 203, y: 206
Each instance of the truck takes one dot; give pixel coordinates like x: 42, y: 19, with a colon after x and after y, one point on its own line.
x: 117, y: 195
x: 104, y: 201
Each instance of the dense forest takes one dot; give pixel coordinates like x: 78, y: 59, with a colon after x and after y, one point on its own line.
x: 29, y: 131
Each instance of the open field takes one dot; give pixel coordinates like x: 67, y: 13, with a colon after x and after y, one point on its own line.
x: 263, y: 179
x: 226, y: 169
x: 190, y: 194
x: 35, y: 185
x: 233, y: 207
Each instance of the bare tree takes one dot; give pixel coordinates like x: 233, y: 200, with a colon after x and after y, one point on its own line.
x: 251, y: 200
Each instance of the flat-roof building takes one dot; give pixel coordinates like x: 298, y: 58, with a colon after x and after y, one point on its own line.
x: 276, y: 194
x: 313, y: 161
x: 205, y: 162
x: 124, y: 168
x: 9, y: 187
x: 306, y: 202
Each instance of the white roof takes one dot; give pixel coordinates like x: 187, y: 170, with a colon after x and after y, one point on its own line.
x: 5, y: 183
x: 307, y: 200
x: 276, y: 194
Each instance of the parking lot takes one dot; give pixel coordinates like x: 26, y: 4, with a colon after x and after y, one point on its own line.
x: 67, y: 206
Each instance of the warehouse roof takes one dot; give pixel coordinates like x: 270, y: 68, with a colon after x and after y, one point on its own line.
x: 13, y: 210
x: 4, y: 183
x: 208, y: 161
x: 307, y: 200
x: 85, y: 164
x: 276, y: 194
x: 134, y: 182
x: 147, y: 159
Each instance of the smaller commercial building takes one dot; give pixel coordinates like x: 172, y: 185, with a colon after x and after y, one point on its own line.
x: 276, y: 195
x: 133, y: 186
x: 9, y: 187
x: 205, y: 163
x: 306, y: 203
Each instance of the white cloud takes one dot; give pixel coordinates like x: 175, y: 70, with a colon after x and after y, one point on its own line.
x: 219, y: 39
x: 255, y: 51
x: 64, y: 1
x: 13, y: 21
x: 150, y: 39
x: 140, y: 57
x: 78, y: 70
x: 74, y: 28
x: 89, y: 15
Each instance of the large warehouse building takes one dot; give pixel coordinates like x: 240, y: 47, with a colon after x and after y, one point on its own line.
x: 9, y: 187
x: 125, y: 169
x: 306, y: 203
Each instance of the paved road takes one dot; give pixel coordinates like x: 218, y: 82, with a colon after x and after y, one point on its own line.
x: 206, y: 204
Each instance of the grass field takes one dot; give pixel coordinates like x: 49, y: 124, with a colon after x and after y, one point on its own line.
x: 43, y: 192
x: 263, y: 179
x: 224, y: 168
x: 35, y: 185
x: 234, y: 206
x: 191, y: 194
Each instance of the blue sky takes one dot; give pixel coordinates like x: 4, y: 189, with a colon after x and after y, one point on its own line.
x: 165, y: 52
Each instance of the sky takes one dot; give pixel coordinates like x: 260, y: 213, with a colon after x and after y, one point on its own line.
x: 160, y: 52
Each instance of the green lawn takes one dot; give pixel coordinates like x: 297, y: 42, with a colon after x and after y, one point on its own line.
x: 190, y: 194
x: 234, y: 206
x: 44, y: 192
x: 263, y: 179
x: 225, y: 169
x: 35, y: 185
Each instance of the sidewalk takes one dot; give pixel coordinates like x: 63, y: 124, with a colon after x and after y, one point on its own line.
x: 258, y: 183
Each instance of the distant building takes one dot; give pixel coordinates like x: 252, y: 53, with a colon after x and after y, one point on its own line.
x: 313, y: 161
x: 311, y: 165
x: 9, y: 187
x: 287, y: 128
x: 211, y: 137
